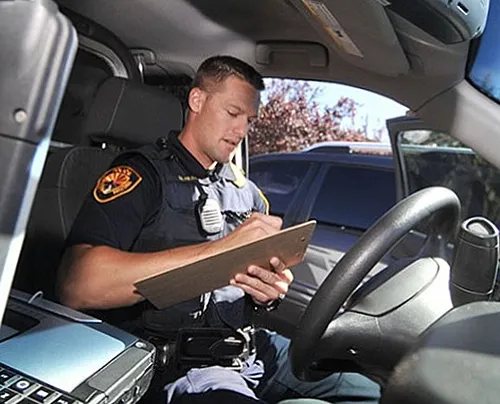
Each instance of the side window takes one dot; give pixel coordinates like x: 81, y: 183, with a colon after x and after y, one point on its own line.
x: 297, y: 114
x: 431, y: 158
x: 279, y: 181
x: 354, y: 197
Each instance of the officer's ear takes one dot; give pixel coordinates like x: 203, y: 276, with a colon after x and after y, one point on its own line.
x: 196, y: 99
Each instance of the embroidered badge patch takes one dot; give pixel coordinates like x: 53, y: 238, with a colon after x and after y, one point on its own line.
x: 116, y: 182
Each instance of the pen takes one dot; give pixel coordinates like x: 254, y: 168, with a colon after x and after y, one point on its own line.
x: 236, y: 216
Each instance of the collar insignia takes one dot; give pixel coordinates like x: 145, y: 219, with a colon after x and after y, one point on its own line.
x: 187, y: 178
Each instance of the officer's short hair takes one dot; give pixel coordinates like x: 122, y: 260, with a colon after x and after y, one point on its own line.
x: 219, y: 68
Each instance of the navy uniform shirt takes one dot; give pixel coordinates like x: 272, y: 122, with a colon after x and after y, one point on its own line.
x: 117, y: 220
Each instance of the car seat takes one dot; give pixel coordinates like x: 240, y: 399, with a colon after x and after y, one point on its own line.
x: 123, y: 114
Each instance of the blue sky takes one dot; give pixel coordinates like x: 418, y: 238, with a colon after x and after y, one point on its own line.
x: 487, y: 63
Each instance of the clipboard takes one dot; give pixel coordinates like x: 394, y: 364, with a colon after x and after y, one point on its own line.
x: 179, y: 284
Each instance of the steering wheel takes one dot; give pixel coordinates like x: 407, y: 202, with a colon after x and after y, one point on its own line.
x: 438, y: 203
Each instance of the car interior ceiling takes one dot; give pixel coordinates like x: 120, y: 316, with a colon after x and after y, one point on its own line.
x: 284, y: 42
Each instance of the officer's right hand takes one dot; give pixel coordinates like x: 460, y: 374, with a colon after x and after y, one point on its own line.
x: 256, y: 226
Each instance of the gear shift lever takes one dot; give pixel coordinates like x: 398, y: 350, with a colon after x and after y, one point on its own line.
x: 475, y: 261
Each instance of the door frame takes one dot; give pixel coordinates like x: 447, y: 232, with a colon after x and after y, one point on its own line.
x: 395, y: 127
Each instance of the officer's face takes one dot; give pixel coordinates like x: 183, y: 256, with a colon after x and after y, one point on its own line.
x: 223, y: 118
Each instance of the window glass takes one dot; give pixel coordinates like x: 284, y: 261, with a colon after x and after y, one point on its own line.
x: 279, y: 181
x: 297, y: 114
x: 354, y: 197
x: 432, y: 158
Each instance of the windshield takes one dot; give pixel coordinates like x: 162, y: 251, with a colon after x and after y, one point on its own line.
x: 485, y: 72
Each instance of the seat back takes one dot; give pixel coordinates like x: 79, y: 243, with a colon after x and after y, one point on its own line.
x: 123, y: 114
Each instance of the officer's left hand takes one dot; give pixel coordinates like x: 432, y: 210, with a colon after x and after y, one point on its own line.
x: 265, y: 285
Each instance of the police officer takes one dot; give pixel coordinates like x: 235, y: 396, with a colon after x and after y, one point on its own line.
x: 179, y: 201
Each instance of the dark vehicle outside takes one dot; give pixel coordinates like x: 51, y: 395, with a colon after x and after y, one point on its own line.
x: 345, y: 187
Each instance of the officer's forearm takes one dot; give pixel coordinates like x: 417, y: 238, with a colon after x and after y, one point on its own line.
x: 102, y: 277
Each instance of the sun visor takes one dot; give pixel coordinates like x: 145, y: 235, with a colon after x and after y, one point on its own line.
x: 359, y: 31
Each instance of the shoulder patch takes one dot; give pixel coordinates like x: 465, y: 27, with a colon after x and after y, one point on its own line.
x: 239, y: 177
x: 116, y: 182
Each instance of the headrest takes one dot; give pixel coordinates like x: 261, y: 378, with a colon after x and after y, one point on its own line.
x: 130, y: 114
